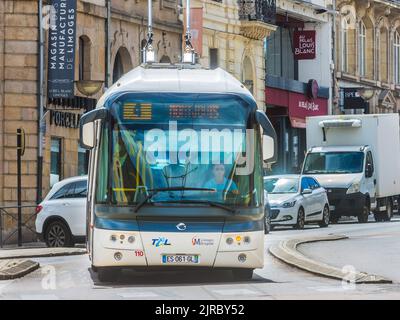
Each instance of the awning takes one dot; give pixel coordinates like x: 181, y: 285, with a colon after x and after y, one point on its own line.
x: 299, y: 105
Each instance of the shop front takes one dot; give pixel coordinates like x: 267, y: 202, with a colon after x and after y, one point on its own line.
x: 289, y: 102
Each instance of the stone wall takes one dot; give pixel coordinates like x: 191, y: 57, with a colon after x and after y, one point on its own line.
x: 19, y: 100
x: 18, y: 79
x: 222, y: 31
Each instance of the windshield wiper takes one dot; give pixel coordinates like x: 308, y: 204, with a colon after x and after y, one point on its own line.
x: 155, y: 191
x: 210, y: 203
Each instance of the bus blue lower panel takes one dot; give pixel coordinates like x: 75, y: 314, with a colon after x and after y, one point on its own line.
x: 171, y: 225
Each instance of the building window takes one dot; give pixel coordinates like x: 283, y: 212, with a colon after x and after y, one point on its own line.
x: 362, y: 37
x: 83, y: 161
x: 344, y: 45
x: 396, y: 57
x: 122, y: 64
x: 247, y: 74
x: 84, y: 58
x: 280, y: 60
x: 55, y: 161
x: 118, y: 69
x: 213, y: 58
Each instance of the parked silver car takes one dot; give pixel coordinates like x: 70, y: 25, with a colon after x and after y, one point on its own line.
x: 296, y: 200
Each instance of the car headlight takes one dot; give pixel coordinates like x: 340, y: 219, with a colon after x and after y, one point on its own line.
x: 289, y: 204
x: 355, y: 187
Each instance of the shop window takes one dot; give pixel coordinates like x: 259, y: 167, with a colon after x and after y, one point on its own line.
x: 213, y: 58
x: 55, y: 161
x: 83, y: 161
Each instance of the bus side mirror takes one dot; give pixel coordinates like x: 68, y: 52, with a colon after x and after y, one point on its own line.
x: 86, y: 127
x: 269, y: 141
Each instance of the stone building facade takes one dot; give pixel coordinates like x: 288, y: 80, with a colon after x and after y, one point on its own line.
x: 110, y: 35
x: 19, y: 84
x: 233, y: 38
x: 367, y: 56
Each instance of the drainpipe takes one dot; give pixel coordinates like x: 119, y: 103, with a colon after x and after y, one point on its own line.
x: 107, y: 51
x: 40, y: 104
x: 333, y: 88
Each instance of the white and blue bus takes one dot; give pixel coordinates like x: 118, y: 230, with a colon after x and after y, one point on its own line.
x: 176, y: 172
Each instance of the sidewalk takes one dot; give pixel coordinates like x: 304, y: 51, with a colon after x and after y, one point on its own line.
x: 39, y: 252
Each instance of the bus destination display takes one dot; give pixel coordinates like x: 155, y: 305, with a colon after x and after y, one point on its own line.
x: 203, y: 111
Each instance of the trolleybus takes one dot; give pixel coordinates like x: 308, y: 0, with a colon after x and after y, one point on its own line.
x: 176, y: 172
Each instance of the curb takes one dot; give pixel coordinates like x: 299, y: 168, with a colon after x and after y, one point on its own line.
x: 17, y: 268
x: 287, y: 252
x: 40, y: 252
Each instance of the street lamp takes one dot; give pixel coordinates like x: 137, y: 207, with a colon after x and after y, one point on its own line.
x: 366, y: 94
x: 89, y: 87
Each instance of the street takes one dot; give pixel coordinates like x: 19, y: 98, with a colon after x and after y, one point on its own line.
x: 371, y: 247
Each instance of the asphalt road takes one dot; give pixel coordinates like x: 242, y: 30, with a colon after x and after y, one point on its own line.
x: 372, y: 247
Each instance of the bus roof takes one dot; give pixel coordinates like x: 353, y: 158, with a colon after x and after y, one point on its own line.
x: 176, y: 78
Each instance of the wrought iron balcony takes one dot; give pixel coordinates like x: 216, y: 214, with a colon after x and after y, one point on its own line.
x: 260, y: 10
x: 257, y: 18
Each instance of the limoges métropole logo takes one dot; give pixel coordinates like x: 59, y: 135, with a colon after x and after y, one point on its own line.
x: 205, y: 146
x: 196, y: 241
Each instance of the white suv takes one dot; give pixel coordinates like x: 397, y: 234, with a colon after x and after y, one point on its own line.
x: 61, y: 216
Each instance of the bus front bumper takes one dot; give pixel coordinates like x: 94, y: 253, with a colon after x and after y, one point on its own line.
x: 210, y: 250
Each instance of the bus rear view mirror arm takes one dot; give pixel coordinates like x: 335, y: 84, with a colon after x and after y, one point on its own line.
x: 270, y: 145
x: 86, y: 127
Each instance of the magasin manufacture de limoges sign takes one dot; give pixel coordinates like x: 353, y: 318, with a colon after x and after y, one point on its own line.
x: 61, y: 61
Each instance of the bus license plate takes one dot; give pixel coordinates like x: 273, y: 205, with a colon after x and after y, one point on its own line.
x: 180, y: 258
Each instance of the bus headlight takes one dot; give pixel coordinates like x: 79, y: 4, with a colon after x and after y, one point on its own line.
x: 229, y: 240
x: 246, y: 239
x: 131, y: 239
x: 113, y: 237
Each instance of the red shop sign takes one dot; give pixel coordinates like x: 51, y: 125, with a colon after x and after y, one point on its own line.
x: 296, y: 105
x: 304, y: 45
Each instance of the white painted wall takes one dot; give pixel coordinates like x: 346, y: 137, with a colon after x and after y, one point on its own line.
x: 319, y: 68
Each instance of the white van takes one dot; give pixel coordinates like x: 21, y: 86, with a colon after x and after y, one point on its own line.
x: 357, y: 159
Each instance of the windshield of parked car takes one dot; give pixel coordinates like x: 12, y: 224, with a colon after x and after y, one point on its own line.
x: 281, y: 185
x: 334, y: 162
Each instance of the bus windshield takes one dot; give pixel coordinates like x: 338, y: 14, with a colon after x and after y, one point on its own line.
x: 179, y: 149
x: 334, y: 162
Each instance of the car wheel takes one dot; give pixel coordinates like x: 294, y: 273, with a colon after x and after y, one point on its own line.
x: 363, y: 215
x: 243, y: 274
x: 300, y: 220
x: 58, y: 235
x: 325, y: 218
x: 108, y: 274
x: 388, y: 214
